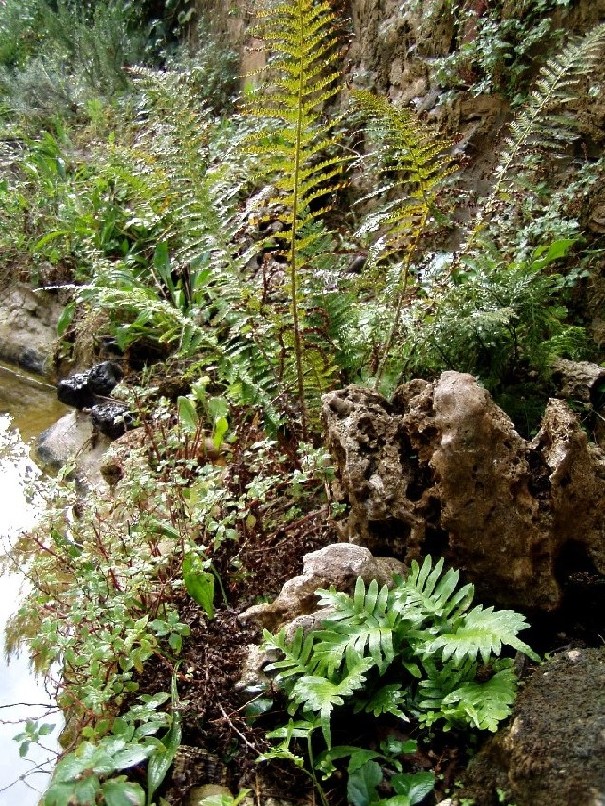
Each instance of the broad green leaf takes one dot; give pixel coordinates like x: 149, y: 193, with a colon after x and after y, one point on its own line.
x: 415, y: 786
x: 120, y: 792
x: 199, y: 582
x: 131, y: 756
x: 66, y: 318
x: 160, y: 761
x: 188, y: 416
x: 362, y: 786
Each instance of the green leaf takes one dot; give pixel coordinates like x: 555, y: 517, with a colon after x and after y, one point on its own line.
x: 131, y: 756
x: 188, y: 416
x: 160, y: 761
x: 414, y: 786
x: 362, y: 786
x: 199, y: 582
x: 221, y: 426
x: 481, y: 631
x: 120, y: 792
x: 317, y: 694
x: 66, y: 318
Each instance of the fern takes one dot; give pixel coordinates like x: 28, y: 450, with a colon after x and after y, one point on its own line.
x: 420, y: 630
x: 426, y: 594
x: 301, y: 155
x: 361, y: 625
x: 318, y: 694
x: 541, y: 124
x: 481, y: 632
x: 421, y: 164
x: 451, y: 696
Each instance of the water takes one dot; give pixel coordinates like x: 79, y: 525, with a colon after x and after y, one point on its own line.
x: 27, y: 407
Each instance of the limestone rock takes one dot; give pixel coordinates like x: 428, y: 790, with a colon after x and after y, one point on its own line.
x: 61, y: 442
x: 338, y: 565
x: 442, y: 470
x: 552, y: 753
x: 28, y: 332
x: 578, y: 380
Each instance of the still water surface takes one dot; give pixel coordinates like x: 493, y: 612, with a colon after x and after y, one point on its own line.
x: 27, y: 407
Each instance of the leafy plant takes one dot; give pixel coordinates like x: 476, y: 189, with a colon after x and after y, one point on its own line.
x: 88, y: 773
x: 420, y: 163
x: 415, y: 651
x: 301, y: 158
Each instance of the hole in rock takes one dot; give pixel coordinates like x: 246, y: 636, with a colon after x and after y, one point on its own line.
x: 389, y: 537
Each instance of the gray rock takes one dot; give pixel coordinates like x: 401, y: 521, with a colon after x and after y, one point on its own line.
x: 338, y: 565
x: 62, y: 442
x: 552, y: 753
x: 28, y: 328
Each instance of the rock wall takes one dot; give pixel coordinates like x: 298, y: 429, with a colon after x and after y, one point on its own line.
x: 442, y: 470
x: 28, y: 328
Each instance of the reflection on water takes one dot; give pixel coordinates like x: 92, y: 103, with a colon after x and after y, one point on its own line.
x: 32, y: 406
x: 31, y: 402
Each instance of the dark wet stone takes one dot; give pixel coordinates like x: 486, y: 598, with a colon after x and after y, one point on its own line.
x: 111, y: 418
x: 75, y: 391
x: 102, y: 378
x: 80, y: 390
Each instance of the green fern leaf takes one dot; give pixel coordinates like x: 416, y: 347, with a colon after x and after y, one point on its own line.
x: 319, y: 695
x: 296, y: 653
x: 388, y: 699
x: 426, y: 594
x: 480, y: 705
x: 361, y: 625
x: 422, y: 164
x: 300, y: 155
x: 481, y: 632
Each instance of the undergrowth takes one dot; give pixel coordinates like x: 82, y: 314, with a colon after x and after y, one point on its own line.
x: 220, y: 241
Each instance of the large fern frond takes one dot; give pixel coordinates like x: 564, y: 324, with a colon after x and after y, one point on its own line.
x: 542, y: 124
x: 359, y: 626
x: 425, y: 593
x: 300, y: 154
x: 421, y: 163
x: 481, y: 632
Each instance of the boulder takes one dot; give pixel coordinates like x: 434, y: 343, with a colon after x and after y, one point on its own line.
x: 28, y: 331
x: 552, y: 752
x: 442, y: 470
x: 111, y: 418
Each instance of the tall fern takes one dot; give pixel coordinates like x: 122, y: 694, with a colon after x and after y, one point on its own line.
x: 421, y: 163
x: 542, y: 126
x: 301, y: 154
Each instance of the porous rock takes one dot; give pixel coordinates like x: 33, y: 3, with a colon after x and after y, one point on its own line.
x: 579, y: 380
x: 552, y: 752
x: 442, y: 470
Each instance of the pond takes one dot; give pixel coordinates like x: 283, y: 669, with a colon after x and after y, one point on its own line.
x: 27, y: 407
